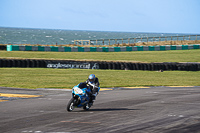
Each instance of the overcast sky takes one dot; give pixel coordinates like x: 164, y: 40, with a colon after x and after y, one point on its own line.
x: 165, y: 16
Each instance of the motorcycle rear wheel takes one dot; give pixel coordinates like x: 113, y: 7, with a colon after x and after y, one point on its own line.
x: 70, y: 105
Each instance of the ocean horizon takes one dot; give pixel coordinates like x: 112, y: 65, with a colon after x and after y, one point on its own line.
x: 14, y: 35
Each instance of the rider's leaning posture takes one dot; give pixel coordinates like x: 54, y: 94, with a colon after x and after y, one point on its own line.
x: 93, y: 83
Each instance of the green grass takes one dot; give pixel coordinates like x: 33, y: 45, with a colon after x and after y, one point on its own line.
x: 140, y: 56
x: 66, y: 78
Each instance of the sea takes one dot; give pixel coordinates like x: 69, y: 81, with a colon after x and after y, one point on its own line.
x: 10, y: 35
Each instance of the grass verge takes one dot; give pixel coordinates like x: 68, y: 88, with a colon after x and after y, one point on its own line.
x: 137, y: 56
x: 66, y: 78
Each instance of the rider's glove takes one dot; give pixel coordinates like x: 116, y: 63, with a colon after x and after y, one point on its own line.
x: 91, y: 85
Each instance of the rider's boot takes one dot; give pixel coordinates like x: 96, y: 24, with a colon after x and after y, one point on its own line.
x: 91, y: 101
x: 92, y: 98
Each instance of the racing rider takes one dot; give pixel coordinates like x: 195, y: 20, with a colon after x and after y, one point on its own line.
x: 93, y: 83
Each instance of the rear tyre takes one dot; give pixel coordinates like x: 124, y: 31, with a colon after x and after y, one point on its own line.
x: 70, y: 105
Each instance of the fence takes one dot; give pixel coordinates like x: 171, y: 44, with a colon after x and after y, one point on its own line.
x: 130, y: 41
x: 101, y: 49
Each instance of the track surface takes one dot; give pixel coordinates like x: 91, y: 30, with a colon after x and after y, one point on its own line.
x: 138, y: 110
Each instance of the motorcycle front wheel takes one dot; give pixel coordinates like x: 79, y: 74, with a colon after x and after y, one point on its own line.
x: 70, y: 105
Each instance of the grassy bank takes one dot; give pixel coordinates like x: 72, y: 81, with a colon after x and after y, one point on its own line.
x: 139, y: 56
x: 66, y: 78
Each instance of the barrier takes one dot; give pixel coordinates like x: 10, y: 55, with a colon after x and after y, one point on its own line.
x: 33, y: 63
x: 101, y: 49
x: 3, y: 47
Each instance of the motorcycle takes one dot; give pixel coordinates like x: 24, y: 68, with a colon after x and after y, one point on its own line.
x: 80, y: 97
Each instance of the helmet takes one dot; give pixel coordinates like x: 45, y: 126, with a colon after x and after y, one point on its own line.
x: 91, y: 78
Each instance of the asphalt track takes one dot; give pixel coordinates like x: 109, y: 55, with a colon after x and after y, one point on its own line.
x: 119, y: 110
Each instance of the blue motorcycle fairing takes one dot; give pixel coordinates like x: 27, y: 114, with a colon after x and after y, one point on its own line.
x: 83, y: 98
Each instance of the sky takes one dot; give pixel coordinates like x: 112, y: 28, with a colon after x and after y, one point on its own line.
x: 157, y: 16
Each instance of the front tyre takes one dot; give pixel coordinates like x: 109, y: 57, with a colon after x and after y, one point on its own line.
x: 70, y: 105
